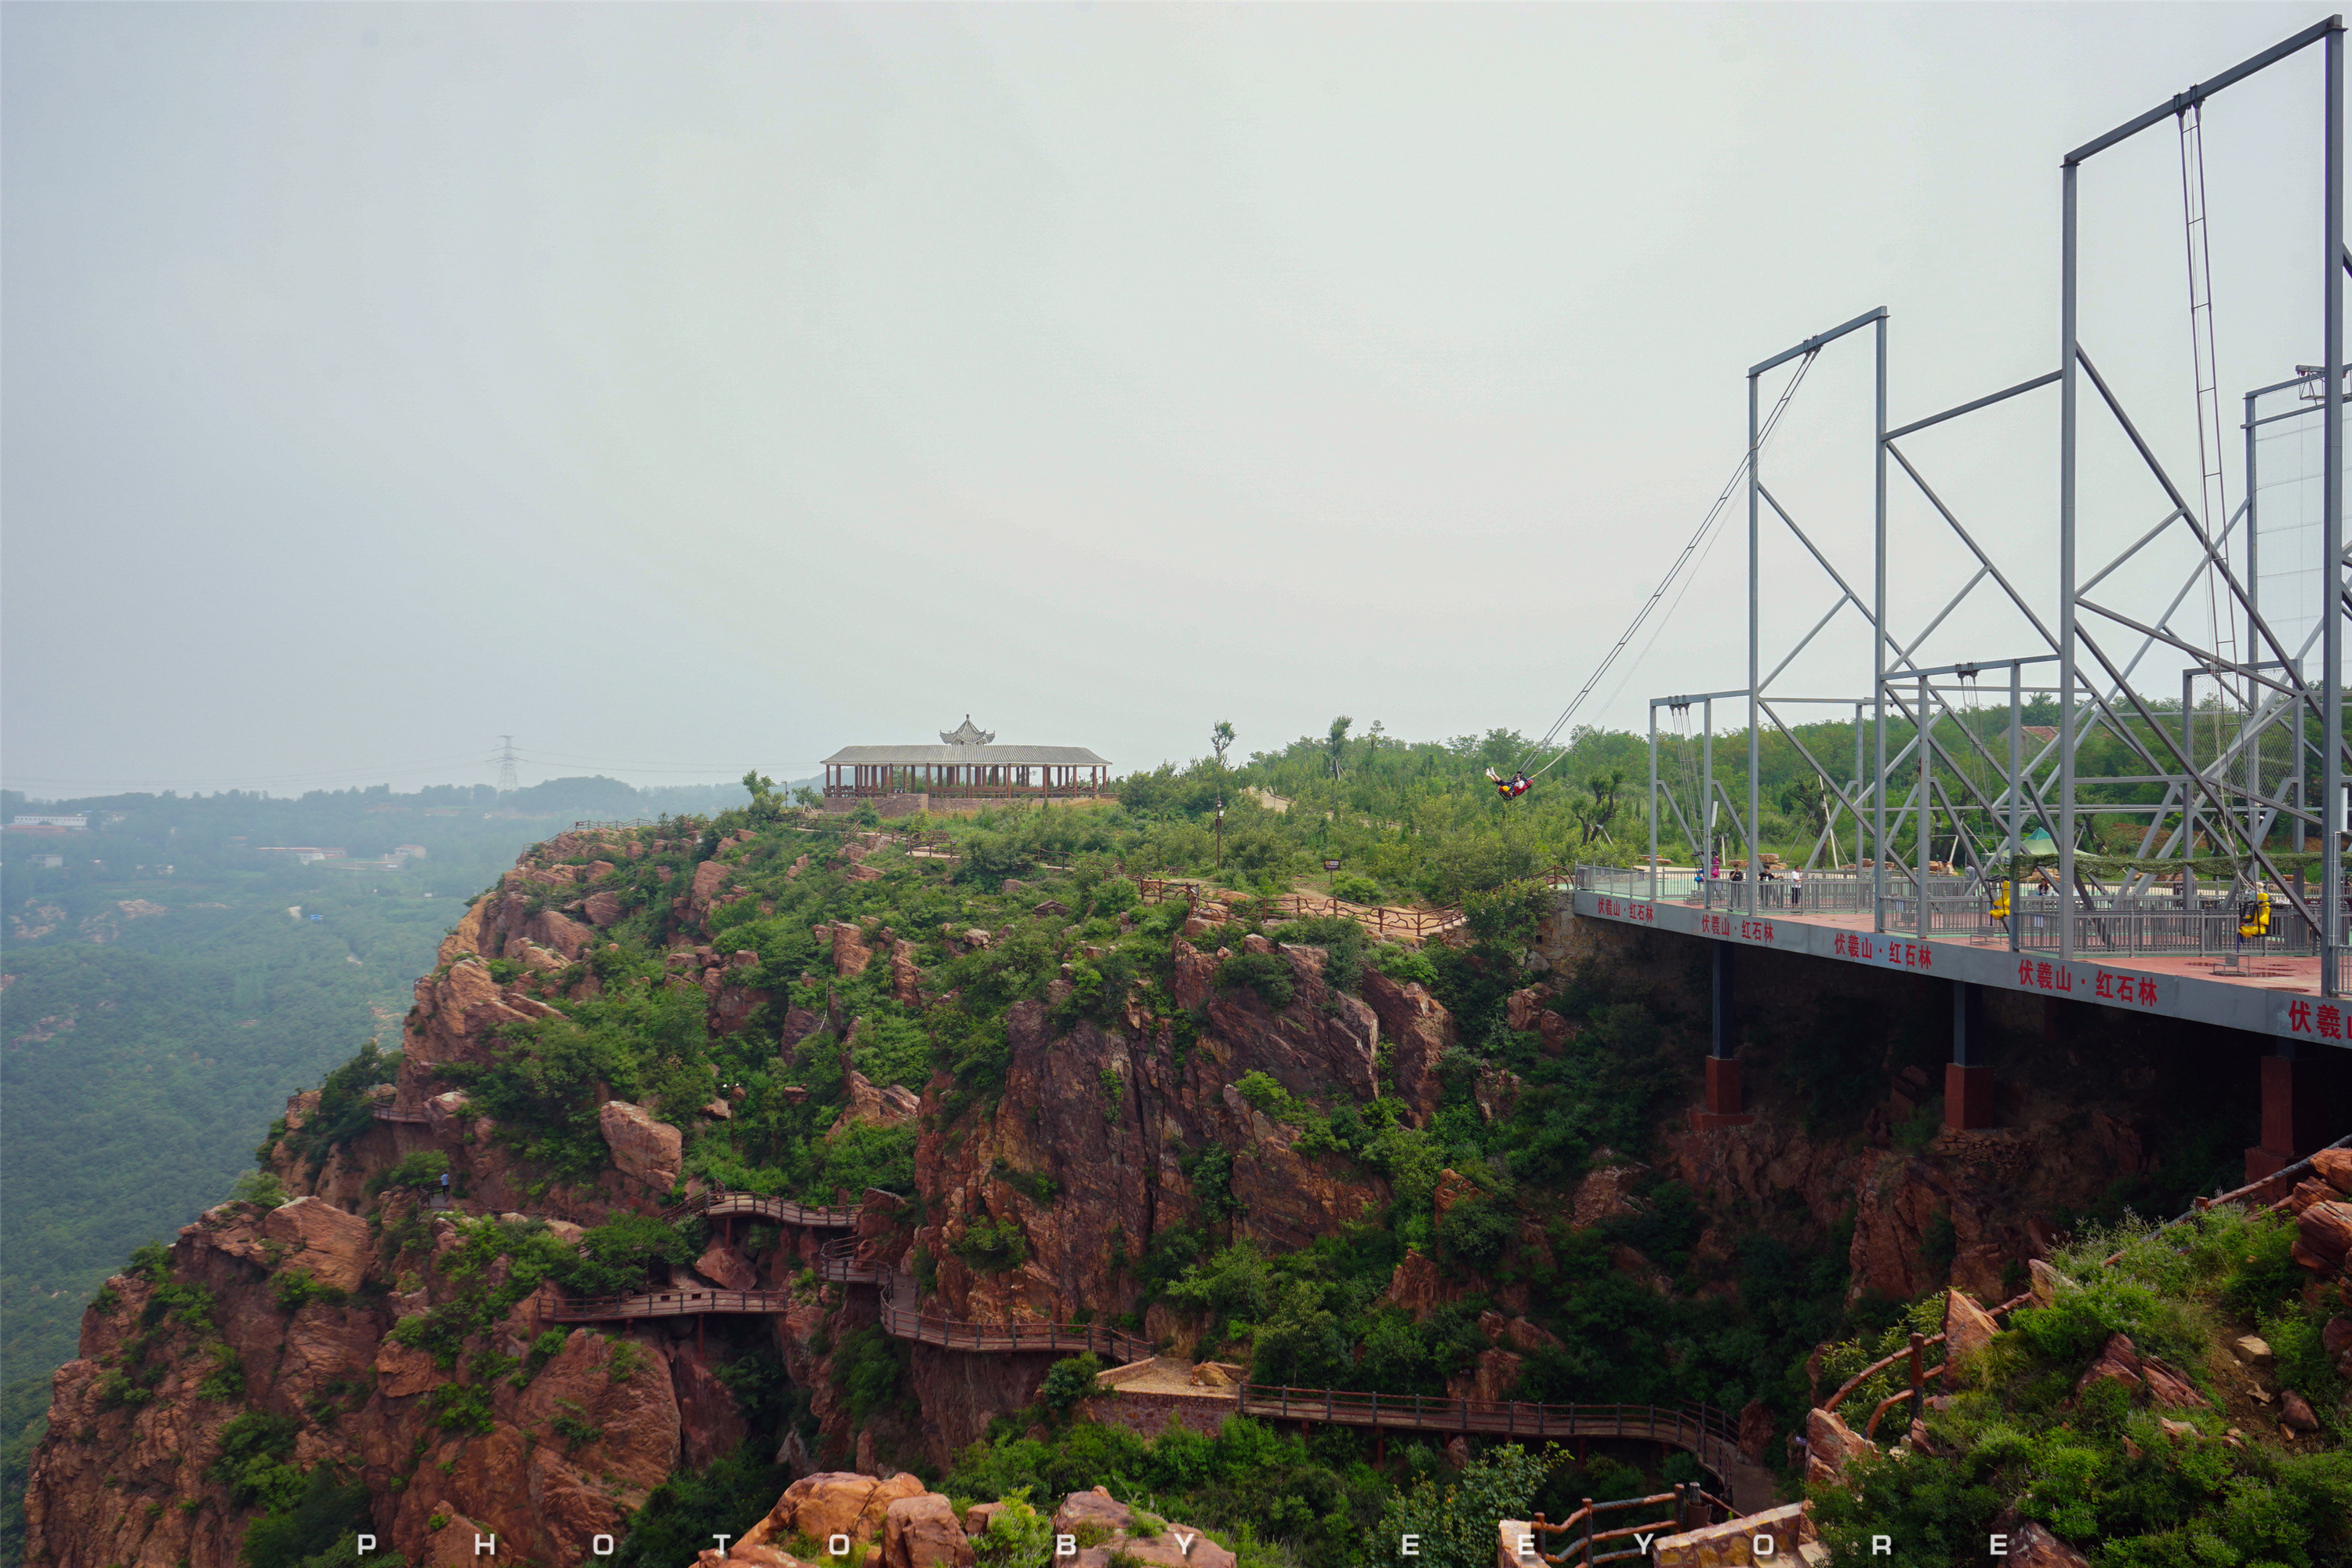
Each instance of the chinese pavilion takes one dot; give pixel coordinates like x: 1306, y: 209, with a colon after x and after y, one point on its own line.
x: 967, y: 767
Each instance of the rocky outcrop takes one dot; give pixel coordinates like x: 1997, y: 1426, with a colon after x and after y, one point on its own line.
x: 923, y: 1531
x: 832, y: 1503
x: 1419, y: 1031
x: 1968, y: 1328
x: 642, y: 1147
x: 328, y: 1244
x: 1830, y: 1446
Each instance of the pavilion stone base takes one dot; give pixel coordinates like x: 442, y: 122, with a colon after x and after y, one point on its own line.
x: 889, y: 805
x: 884, y: 804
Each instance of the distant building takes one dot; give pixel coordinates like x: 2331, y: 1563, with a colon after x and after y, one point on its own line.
x: 50, y: 862
x: 303, y: 853
x: 966, y: 772
x: 414, y: 851
x: 68, y: 824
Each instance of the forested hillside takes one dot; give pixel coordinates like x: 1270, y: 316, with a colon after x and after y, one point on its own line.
x: 159, y: 997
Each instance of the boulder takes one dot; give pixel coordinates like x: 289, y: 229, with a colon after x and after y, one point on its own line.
x: 1830, y: 1446
x: 1755, y: 1431
x: 2168, y: 1385
x: 2296, y: 1413
x: 709, y: 881
x: 2046, y: 1283
x: 2032, y: 1546
x: 1418, y: 1287
x: 321, y: 1240
x: 642, y: 1147
x: 923, y: 1531
x: 2118, y: 1362
x: 1491, y: 1378
x: 850, y: 952
x: 1527, y: 1338
x: 1603, y: 1195
x: 1968, y: 1328
x: 831, y: 1504
x: 905, y: 976
x: 2334, y: 1167
x: 1096, y: 1507
x: 2254, y: 1350
x: 2323, y: 1236
x: 726, y: 1267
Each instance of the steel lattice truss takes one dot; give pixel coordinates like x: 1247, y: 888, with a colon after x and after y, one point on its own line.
x: 2238, y: 775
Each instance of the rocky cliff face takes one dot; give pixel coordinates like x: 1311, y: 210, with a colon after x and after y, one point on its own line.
x: 545, y: 1435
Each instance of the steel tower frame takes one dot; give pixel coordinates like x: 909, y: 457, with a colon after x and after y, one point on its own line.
x: 2275, y: 678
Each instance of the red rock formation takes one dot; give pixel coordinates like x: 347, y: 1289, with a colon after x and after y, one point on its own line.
x: 1968, y: 1328
x: 2323, y: 1237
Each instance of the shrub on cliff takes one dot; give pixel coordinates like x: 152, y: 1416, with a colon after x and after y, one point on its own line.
x: 1267, y: 973
x: 2106, y: 1467
x: 1455, y: 1524
x: 1017, y: 1535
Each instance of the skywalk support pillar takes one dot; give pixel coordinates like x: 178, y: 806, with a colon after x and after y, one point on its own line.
x: 2295, y: 1112
x: 1723, y: 1096
x: 1967, y: 1077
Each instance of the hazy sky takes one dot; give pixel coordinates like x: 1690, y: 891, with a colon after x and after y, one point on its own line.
x: 682, y: 387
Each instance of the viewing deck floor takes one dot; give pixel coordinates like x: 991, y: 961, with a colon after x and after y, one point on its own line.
x: 2271, y: 992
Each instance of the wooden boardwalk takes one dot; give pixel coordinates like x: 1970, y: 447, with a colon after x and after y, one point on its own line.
x: 840, y: 1266
x: 780, y: 1211
x: 1702, y: 1430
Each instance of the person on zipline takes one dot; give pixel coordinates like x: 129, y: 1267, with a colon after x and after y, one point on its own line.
x: 1509, y: 788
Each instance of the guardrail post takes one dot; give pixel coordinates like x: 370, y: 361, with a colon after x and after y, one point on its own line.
x: 1588, y: 1533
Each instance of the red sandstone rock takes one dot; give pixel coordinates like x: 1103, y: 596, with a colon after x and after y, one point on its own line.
x: 2334, y: 1167
x: 330, y: 1245
x: 2117, y: 1363
x: 1453, y: 1187
x: 1968, y: 1328
x: 850, y: 952
x: 1419, y: 1031
x: 923, y: 1531
x: 2168, y: 1386
x: 1830, y: 1446
x: 905, y: 974
x: 2323, y: 1236
x: 1521, y: 1009
x: 726, y: 1267
x: 2032, y: 1546
x: 2296, y: 1413
x: 1417, y: 1286
x: 1098, y: 1508
x: 1755, y: 1431
x: 642, y: 1147
x: 1492, y: 1377
x: 833, y: 1502
x: 1603, y: 1195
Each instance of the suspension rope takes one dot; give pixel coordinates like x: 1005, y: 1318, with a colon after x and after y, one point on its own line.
x: 1690, y: 551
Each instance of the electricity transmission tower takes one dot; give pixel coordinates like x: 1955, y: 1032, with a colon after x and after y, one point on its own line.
x: 507, y: 784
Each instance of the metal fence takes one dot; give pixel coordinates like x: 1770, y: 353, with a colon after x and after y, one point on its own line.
x: 1961, y: 909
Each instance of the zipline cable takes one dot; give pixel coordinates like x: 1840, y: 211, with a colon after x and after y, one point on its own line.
x: 1689, y: 552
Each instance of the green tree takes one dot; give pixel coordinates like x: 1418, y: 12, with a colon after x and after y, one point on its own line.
x: 1334, y: 744
x: 1456, y: 1524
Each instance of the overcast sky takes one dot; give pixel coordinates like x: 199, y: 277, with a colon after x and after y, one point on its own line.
x: 679, y: 388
